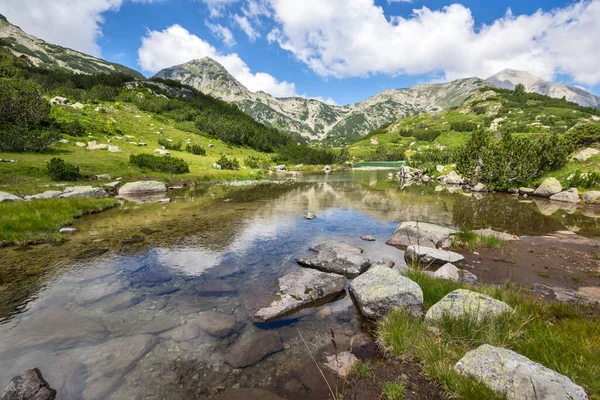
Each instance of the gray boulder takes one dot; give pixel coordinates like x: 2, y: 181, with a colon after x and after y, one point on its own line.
x: 448, y: 271
x: 568, y: 196
x: 300, y: 288
x: 584, y: 155
x: 453, y: 179
x: 48, y: 194
x: 480, y: 188
x: 338, y: 258
x: 29, y: 385
x: 142, y: 187
x: 413, y: 232
x: 526, y: 190
x: 463, y: 303
x: 549, y: 187
x: 591, y: 197
x: 516, y: 376
x: 6, y: 197
x: 381, y: 290
x: 428, y: 256
x: 81, y: 192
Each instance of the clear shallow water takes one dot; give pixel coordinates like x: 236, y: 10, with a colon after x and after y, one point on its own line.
x: 108, y: 320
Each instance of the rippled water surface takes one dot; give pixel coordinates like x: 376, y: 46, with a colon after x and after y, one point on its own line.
x: 113, y: 313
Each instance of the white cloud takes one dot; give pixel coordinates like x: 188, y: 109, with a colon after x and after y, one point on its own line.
x: 345, y: 38
x: 216, y: 7
x: 246, y: 26
x: 221, y: 32
x: 176, y: 45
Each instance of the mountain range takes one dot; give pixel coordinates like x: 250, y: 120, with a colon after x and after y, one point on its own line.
x: 313, y: 119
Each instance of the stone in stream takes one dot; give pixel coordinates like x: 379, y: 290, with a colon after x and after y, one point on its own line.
x: 48, y: 194
x: 526, y: 190
x: 368, y: 238
x: 591, y: 197
x: 252, y: 348
x: 67, y: 231
x: 218, y: 325
x: 338, y: 258
x: 300, y: 288
x: 515, y: 376
x: 463, y: 303
x: 549, y: 187
x: 309, y: 216
x: 568, y: 196
x: 215, y: 287
x: 480, y: 188
x: 342, y: 363
x: 6, y: 197
x: 83, y: 192
x: 428, y: 256
x: 413, y: 232
x: 153, y: 327
x: 142, y: 187
x: 381, y: 289
x: 29, y: 385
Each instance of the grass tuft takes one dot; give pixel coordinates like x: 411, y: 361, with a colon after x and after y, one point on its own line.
x: 471, y: 240
x: 393, y: 390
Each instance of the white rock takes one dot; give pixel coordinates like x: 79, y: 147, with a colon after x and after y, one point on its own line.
x: 142, y: 187
x: 80, y: 192
x: 103, y: 177
x: 415, y: 232
x: 591, y: 197
x: 6, y: 197
x: 114, y: 149
x: 447, y: 271
x: 428, y: 256
x: 48, y: 194
x: 66, y: 231
x: 549, y: 187
x: 341, y: 363
x: 568, y: 196
x: 463, y: 303
x: 584, y: 155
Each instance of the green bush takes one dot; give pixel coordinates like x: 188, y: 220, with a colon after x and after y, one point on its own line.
x: 256, y: 162
x: 386, y: 153
x: 228, y: 163
x: 195, y: 149
x: 170, y: 145
x: 159, y: 163
x: 584, y: 134
x: 59, y: 170
x: 463, y: 126
x: 422, y: 134
x: 586, y: 181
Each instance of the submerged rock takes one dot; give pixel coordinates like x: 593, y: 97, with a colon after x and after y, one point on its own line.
x: 568, y: 196
x: 309, y: 216
x: 463, y: 303
x: 516, y: 376
x: 368, y: 238
x: 29, y: 385
x: 300, y: 288
x: 382, y: 289
x: 252, y: 348
x: 413, y: 232
x: 338, y: 258
x: 428, y: 256
x: 142, y: 187
x: 218, y: 325
x: 6, y: 197
x: 549, y: 187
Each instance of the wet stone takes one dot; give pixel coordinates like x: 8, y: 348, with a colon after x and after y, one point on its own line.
x: 91, y: 253
x: 338, y: 258
x: 218, y: 325
x: 151, y: 276
x: 252, y: 348
x: 215, y: 287
x: 29, y: 385
x: 133, y: 240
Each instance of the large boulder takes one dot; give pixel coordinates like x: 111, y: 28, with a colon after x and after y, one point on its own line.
x: 428, y: 256
x: 549, y: 187
x: 381, y: 290
x: 142, y: 187
x: 463, y: 303
x: 413, y: 232
x: 80, y: 192
x: 515, y: 376
x: 48, y: 194
x: 480, y: 188
x: 591, y: 197
x: 568, y: 196
x: 453, y: 179
x: 584, y: 155
x: 338, y: 258
x: 6, y: 197
x: 29, y: 385
x: 300, y: 288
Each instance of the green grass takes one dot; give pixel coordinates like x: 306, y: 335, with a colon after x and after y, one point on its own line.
x: 393, y: 390
x: 544, y: 273
x: 364, y: 369
x: 553, y: 334
x: 31, y: 221
x: 472, y: 240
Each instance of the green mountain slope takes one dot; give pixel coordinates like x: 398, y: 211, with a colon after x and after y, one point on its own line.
x: 47, y: 55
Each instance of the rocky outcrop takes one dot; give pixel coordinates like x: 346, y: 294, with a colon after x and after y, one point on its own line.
x: 141, y: 188
x: 413, y: 232
x: 29, y: 385
x: 515, y: 376
x: 252, y: 348
x: 584, y: 155
x: 428, y: 256
x: 300, y: 288
x: 6, y: 197
x: 591, y: 197
x: 463, y: 303
x: 549, y: 187
x: 81, y: 192
x: 381, y: 290
x: 568, y: 196
x: 338, y: 258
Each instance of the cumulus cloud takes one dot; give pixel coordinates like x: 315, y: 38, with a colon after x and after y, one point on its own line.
x: 221, y: 32
x: 345, y: 38
x: 245, y: 26
x: 176, y: 45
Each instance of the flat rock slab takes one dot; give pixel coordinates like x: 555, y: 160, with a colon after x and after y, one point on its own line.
x: 428, y: 256
x: 419, y: 233
x: 568, y: 196
x: 516, y: 376
x: 142, y: 187
x: 338, y: 258
x: 299, y: 288
x: 218, y: 325
x: 48, y: 194
x: 83, y: 192
x: 6, y: 197
x: 382, y: 289
x: 463, y: 303
x: 252, y: 348
x: 29, y: 385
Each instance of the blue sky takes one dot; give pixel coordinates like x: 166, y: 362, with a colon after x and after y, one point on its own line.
x: 342, y: 51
